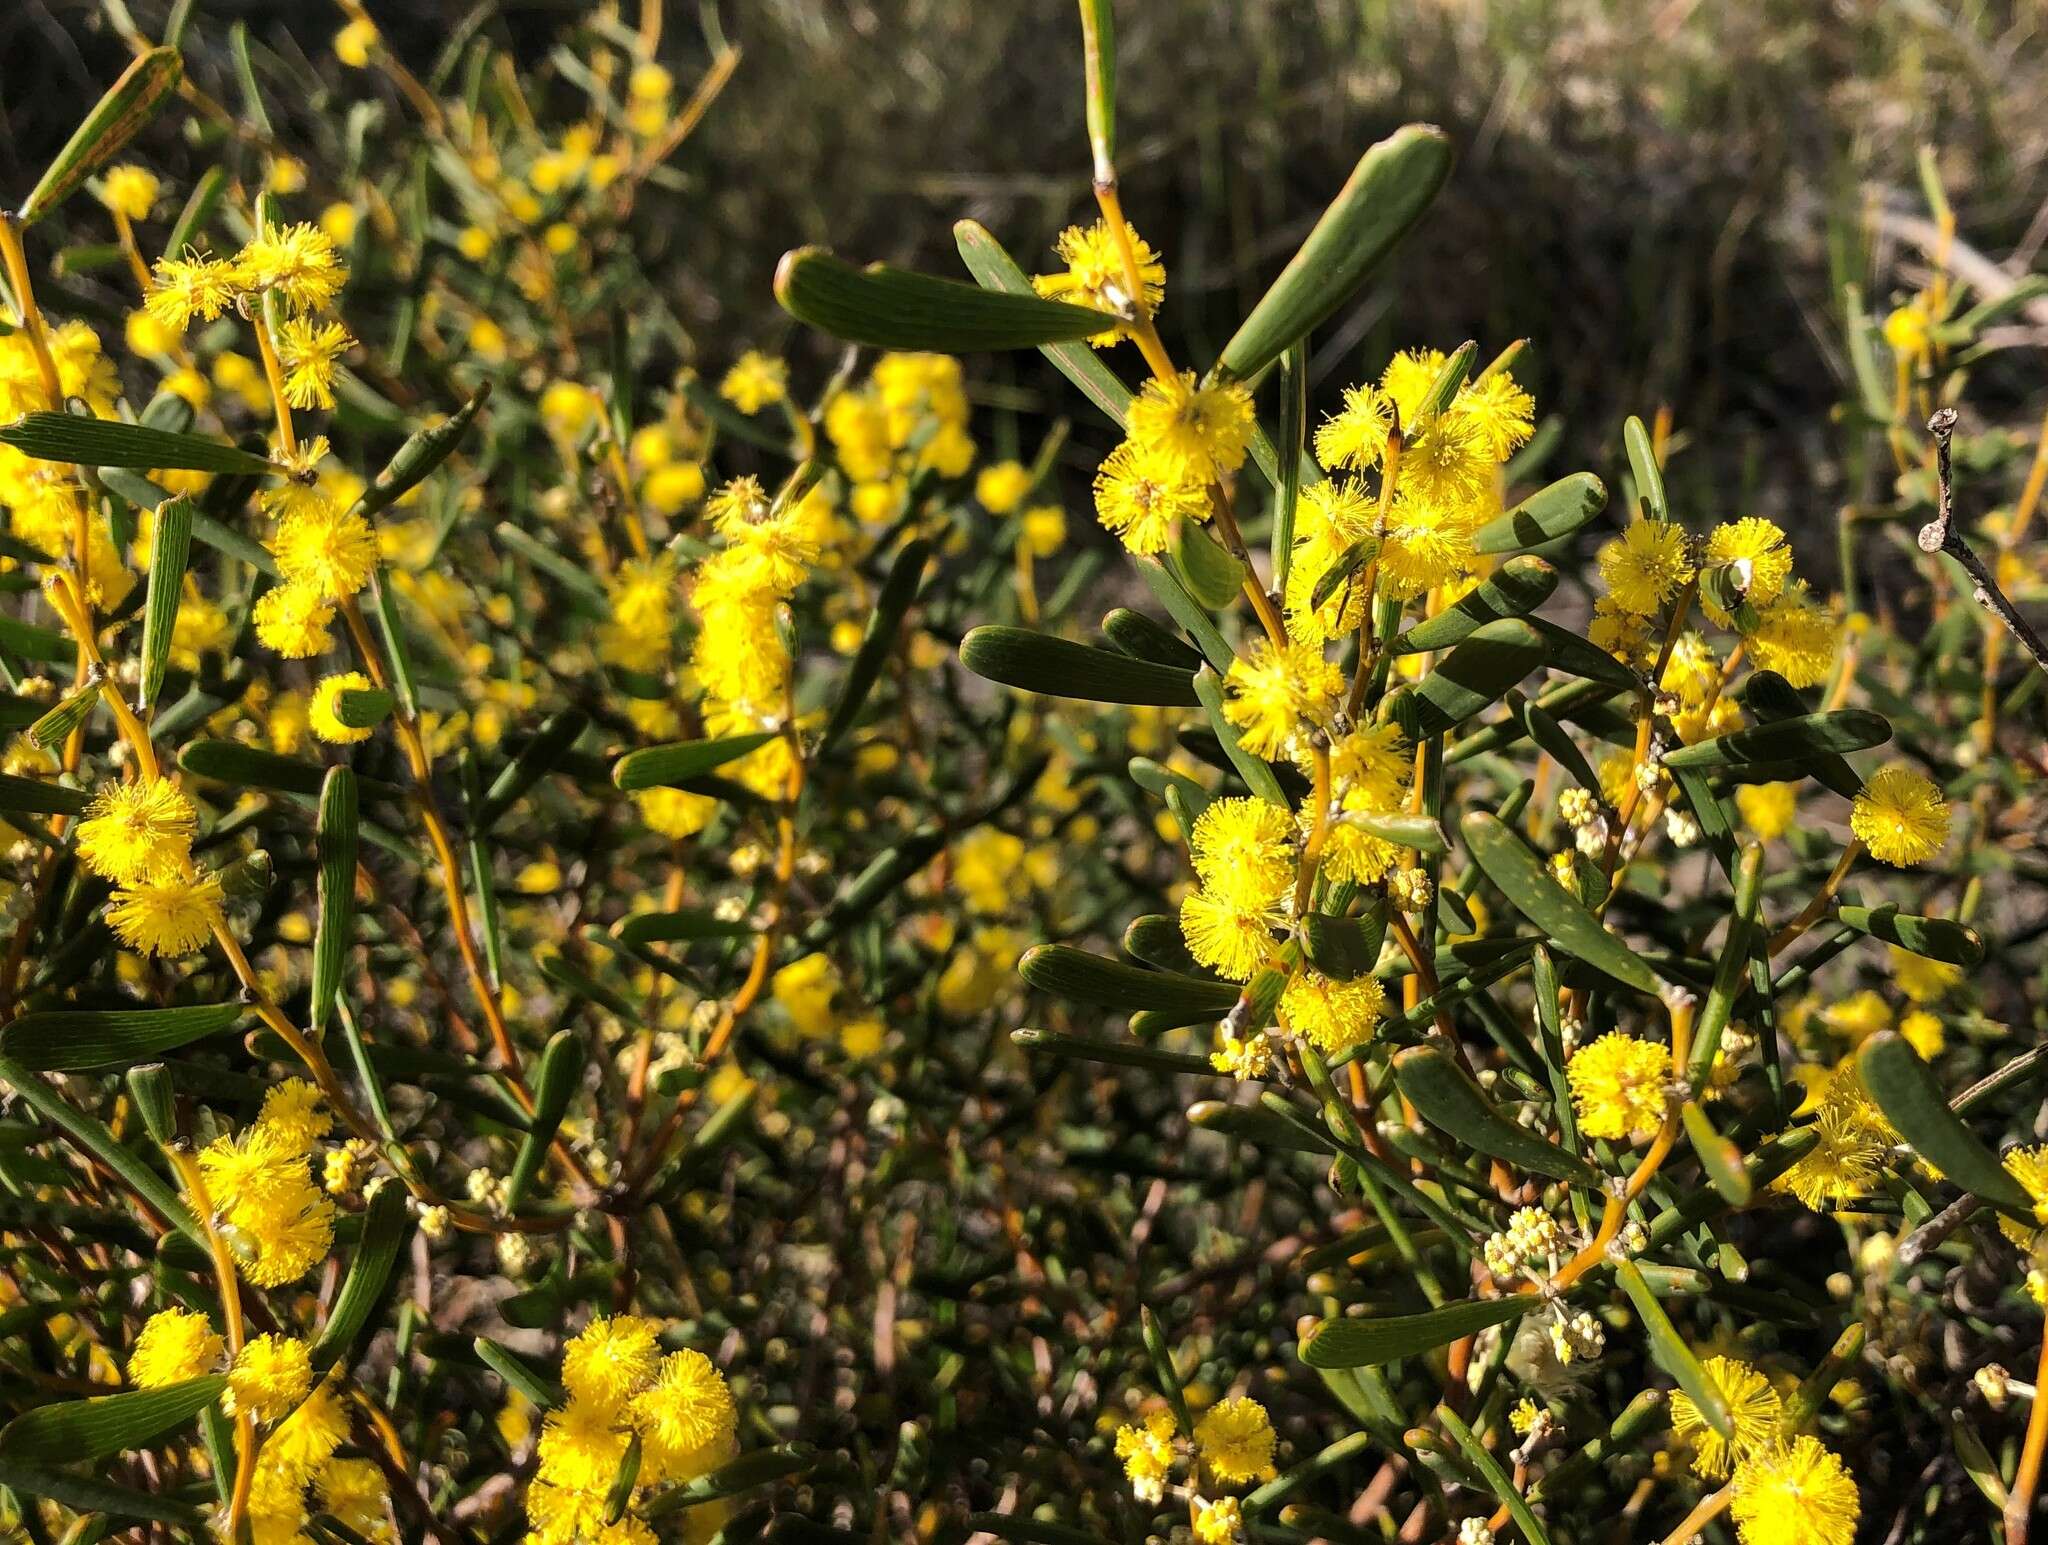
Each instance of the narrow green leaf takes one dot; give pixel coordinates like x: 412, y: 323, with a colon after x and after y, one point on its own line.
x: 34, y: 796
x: 1392, y: 184
x: 335, y: 928
x: 93, y: 1135
x: 1212, y: 575
x: 106, y: 1424
x: 1080, y: 977
x: 1257, y: 1124
x: 762, y: 1467
x: 1546, y: 516
x: 1291, y: 451
x: 1128, y: 1054
x: 535, y: 760
x: 1670, y: 1352
x: 170, y: 551
x: 1577, y: 655
x: 1642, y: 461
x: 362, y: 708
x: 1497, y: 1480
x: 228, y: 761
x: 108, y: 442
x: 88, y: 1494
x: 894, y: 308
x: 1906, y: 1091
x: 1347, y: 563
x: 84, y: 1040
x: 1419, y: 832
x: 1475, y: 674
x: 518, y: 1373
x: 1446, y: 1097
x: 1155, y: 940
x: 1517, y: 587
x: 1187, y: 611
x: 384, y: 1229
x: 1141, y: 638
x: 1525, y: 881
x: 884, y: 625
x: 1349, y: 1343
x: 128, y: 104
x: 55, y: 727
x: 1346, y: 948
x: 1058, y: 667
x: 561, y: 1071
x: 1938, y: 938
x: 672, y: 765
x: 678, y: 927
x: 419, y: 456
x: 1791, y: 741
x: 1719, y: 1157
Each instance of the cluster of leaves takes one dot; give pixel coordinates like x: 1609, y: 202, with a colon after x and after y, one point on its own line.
x: 1562, y: 1093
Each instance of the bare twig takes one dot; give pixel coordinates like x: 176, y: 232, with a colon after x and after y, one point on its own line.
x: 1940, y: 535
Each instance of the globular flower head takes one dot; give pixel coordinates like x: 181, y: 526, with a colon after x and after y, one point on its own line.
x: 1333, y: 1014
x: 755, y: 381
x: 1900, y: 816
x: 174, y: 1346
x: 310, y: 351
x: 1235, y: 1440
x: 1274, y: 693
x: 297, y: 263
x: 293, y: 620
x: 1143, y: 495
x: 170, y: 916
x: 1755, y: 1411
x: 1242, y: 850
x: 1645, y: 565
x: 1356, y: 436
x: 1202, y: 430
x: 1796, y: 1493
x: 140, y: 830
x: 1095, y: 274
x: 1146, y: 1449
x: 685, y: 1417
x: 1758, y: 557
x: 188, y: 287
x: 611, y: 1359
x: 1232, y: 939
x: 1618, y: 1084
x: 271, y: 1375
x: 332, y: 552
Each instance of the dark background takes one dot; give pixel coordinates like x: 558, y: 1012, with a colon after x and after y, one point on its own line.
x: 1666, y: 195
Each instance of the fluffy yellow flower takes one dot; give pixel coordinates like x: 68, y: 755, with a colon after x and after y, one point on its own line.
x: 1334, y: 1015
x: 135, y: 831
x: 1143, y: 495
x: 1900, y: 816
x: 755, y: 381
x: 307, y: 1439
x: 1768, y: 809
x: 1356, y: 436
x: 685, y: 1417
x: 331, y: 552
x: 261, y: 1184
x: 1758, y: 556
x: 1754, y: 1409
x: 1001, y: 486
x: 184, y: 288
x: 323, y: 710
x: 1220, y: 1522
x: 610, y: 1360
x: 1795, y: 1494
x: 297, y: 263
x: 1921, y: 979
x: 1272, y: 694
x: 1427, y: 541
x: 270, y: 1376
x: 581, y: 1445
x: 1095, y: 275
x: 1232, y: 938
x: 1235, y: 1440
x: 1242, y: 850
x: 1795, y: 638
x: 292, y: 1111
x: 293, y: 620
x: 1146, y: 1450
x: 1202, y: 430
x: 1619, y: 1085
x: 175, y: 1345
x: 310, y: 351
x: 1645, y: 565
x: 129, y: 190
x: 169, y: 916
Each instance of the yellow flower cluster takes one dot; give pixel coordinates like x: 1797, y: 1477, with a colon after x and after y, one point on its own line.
x: 909, y: 416
x: 1233, y: 1444
x: 621, y: 1388
x: 1620, y: 1086
x: 260, y: 1185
